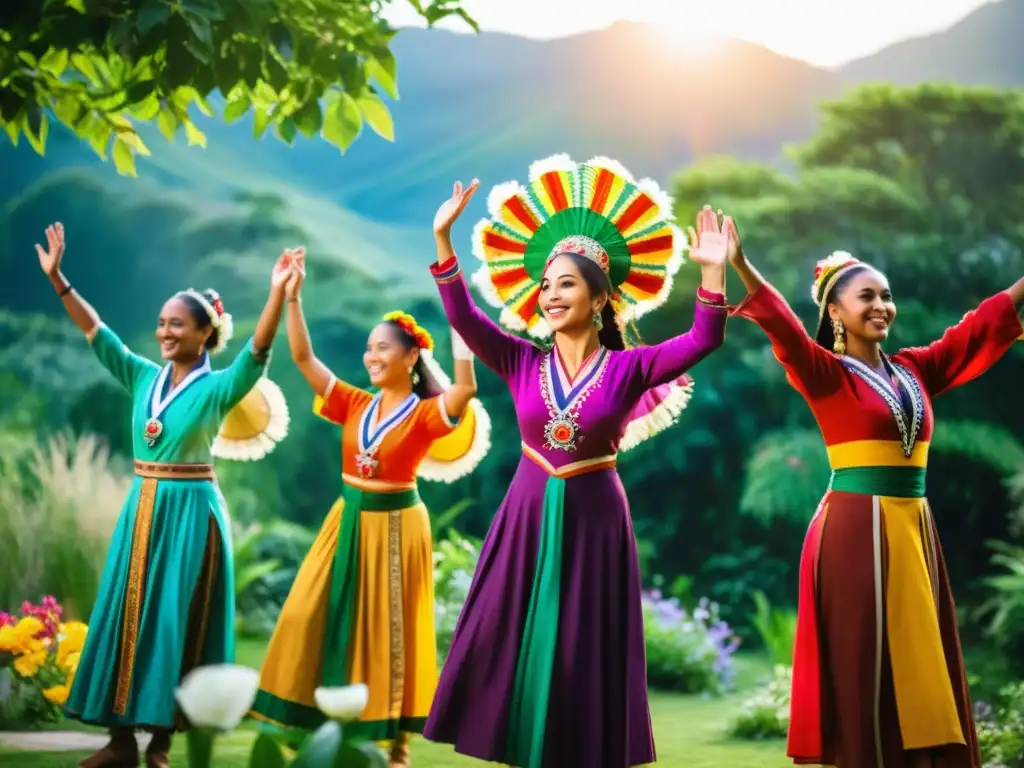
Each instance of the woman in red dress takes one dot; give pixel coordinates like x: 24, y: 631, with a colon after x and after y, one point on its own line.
x: 878, y: 676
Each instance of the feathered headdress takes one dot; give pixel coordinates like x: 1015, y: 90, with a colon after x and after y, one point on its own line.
x: 594, y: 209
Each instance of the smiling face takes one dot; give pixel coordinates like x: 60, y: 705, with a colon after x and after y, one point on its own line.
x: 865, y: 306
x: 387, y: 359
x: 566, y: 300
x: 179, y: 334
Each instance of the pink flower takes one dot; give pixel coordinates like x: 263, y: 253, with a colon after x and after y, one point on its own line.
x: 7, y: 620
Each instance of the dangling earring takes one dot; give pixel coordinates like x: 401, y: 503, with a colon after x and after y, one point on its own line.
x: 414, y: 376
x: 839, y: 337
x: 598, y: 322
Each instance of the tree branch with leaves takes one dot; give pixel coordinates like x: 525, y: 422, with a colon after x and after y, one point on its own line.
x: 100, y: 67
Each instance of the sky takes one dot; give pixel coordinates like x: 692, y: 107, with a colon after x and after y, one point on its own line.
x: 826, y: 33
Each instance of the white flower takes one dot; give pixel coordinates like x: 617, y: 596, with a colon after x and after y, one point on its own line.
x: 218, y: 696
x: 345, y: 703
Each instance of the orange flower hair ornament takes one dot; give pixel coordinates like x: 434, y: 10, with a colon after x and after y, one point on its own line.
x: 408, y: 323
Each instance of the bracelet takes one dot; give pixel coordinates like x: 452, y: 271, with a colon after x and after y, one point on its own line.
x: 67, y: 289
x: 294, y: 299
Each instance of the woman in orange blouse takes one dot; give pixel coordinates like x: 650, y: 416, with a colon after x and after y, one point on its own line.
x: 361, y: 609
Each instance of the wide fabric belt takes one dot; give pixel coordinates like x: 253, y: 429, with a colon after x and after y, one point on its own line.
x: 158, y: 470
x: 566, y: 471
x: 903, y: 482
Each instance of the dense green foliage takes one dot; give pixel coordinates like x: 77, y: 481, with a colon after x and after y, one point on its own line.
x: 100, y: 66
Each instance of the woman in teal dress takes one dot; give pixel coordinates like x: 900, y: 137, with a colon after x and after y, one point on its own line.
x: 166, y: 597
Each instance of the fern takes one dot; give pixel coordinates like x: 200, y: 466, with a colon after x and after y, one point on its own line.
x: 786, y: 476
x: 979, y: 441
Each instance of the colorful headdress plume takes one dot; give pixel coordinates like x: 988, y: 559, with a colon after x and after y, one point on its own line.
x: 594, y: 209
x: 408, y: 323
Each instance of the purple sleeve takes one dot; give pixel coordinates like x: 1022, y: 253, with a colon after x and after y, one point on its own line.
x: 661, y: 363
x: 499, y: 351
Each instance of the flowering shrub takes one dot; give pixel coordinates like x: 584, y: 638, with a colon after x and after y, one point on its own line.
x: 765, y: 715
x: 454, y: 562
x: 1001, y: 728
x: 38, y: 659
x: 689, y: 652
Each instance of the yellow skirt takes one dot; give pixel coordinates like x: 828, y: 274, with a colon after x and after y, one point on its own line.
x: 392, y: 648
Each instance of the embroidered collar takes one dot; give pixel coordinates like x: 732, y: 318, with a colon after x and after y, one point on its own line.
x: 563, y: 389
x: 370, y: 437
x: 162, y: 394
x: 908, y: 431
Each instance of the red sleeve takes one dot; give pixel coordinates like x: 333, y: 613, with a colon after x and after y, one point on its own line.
x: 813, y: 371
x: 338, y: 401
x: 970, y: 347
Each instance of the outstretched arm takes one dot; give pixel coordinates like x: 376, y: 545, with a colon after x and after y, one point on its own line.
x: 810, y: 369
x: 122, y: 363
x: 973, y: 345
x: 499, y: 351
x: 235, y: 381
x: 316, y: 374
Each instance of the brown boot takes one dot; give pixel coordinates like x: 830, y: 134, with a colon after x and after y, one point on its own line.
x: 120, y: 752
x: 399, y: 757
x: 158, y: 751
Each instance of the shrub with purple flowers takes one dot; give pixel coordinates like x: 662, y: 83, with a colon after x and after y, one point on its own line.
x: 687, y: 651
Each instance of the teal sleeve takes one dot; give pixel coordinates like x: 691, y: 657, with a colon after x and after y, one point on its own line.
x: 124, y: 364
x: 235, y: 381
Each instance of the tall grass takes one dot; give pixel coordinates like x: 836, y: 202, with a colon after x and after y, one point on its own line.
x: 59, y: 501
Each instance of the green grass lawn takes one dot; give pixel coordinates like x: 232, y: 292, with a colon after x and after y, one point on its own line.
x: 689, y: 731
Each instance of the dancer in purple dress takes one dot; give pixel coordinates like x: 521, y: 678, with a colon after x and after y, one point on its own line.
x: 548, y: 666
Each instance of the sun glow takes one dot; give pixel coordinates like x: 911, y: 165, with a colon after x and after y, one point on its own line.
x: 691, y: 35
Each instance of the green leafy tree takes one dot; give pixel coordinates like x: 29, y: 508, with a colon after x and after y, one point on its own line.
x: 101, y: 66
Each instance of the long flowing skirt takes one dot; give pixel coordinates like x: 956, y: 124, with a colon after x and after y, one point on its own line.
x: 389, y: 645
x: 878, y: 677
x: 166, y: 604
x: 591, y: 694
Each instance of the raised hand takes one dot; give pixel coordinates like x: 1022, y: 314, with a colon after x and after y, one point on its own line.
x: 735, y: 250
x: 283, y: 267
x: 297, y: 274
x: 49, y: 259
x: 452, y: 207
x: 709, y: 244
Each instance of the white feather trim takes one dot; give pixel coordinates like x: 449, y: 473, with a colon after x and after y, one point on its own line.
x: 258, y: 446
x: 611, y: 165
x: 478, y: 239
x: 664, y: 415
x: 559, y: 162
x: 679, y: 247
x: 511, y: 320
x: 448, y: 472
x: 666, y: 205
x: 500, y: 193
x: 540, y: 329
